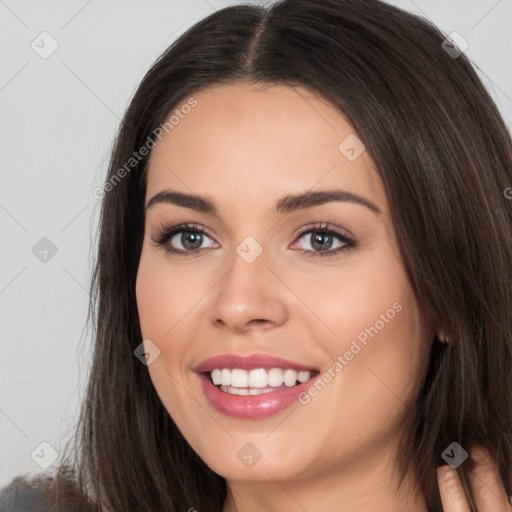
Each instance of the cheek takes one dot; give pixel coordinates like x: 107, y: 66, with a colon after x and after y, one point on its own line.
x: 392, y: 345
x: 163, y: 296
x: 166, y: 297
x: 367, y: 291
x: 374, y: 339
x: 383, y: 377
x: 154, y: 304
x: 160, y: 309
x: 377, y: 360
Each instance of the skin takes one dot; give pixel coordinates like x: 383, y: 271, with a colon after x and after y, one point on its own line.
x: 244, y: 147
x: 485, y: 479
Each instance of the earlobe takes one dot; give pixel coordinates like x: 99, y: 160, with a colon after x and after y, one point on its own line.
x: 442, y: 337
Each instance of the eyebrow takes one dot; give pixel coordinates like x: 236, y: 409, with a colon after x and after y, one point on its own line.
x: 286, y: 204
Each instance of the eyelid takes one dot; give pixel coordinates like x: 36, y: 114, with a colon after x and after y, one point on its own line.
x: 166, y: 232
x: 319, y: 226
x: 348, y: 241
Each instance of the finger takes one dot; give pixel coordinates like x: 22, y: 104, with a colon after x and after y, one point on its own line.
x: 452, y: 493
x: 490, y: 494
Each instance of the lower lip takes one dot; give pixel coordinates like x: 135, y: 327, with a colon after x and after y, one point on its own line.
x: 252, y: 407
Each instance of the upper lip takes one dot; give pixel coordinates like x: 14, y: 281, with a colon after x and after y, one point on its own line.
x: 249, y: 362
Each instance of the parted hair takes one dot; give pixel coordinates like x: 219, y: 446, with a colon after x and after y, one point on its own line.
x: 444, y: 155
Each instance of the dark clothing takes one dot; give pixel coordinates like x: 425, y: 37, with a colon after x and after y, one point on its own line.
x: 38, y: 494
x: 20, y: 496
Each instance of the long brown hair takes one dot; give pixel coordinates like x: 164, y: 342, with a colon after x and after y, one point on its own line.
x: 444, y: 155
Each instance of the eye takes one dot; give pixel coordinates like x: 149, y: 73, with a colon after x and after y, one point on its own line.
x: 321, y: 240
x: 190, y: 236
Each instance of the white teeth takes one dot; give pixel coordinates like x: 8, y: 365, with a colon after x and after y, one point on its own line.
x: 225, y: 378
x: 290, y: 378
x: 239, y: 378
x: 216, y: 377
x: 258, y: 379
x: 275, y: 377
x: 256, y: 391
x: 245, y: 391
x: 303, y: 376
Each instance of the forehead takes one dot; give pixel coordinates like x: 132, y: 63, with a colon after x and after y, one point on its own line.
x: 262, y: 141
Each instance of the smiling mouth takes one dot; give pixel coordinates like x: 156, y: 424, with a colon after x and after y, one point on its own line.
x: 257, y: 381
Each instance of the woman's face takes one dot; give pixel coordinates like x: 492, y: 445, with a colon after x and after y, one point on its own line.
x: 269, y: 298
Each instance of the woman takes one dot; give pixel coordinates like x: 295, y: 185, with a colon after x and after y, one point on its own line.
x: 303, y: 280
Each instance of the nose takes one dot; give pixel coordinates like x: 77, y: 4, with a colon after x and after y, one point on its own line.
x: 249, y: 296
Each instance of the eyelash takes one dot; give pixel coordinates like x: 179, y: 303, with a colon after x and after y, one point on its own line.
x: 166, y: 233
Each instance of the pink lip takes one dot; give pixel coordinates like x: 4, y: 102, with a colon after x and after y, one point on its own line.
x: 248, y: 362
x: 252, y: 407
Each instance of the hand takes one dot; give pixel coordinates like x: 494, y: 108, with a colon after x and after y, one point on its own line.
x: 490, y: 494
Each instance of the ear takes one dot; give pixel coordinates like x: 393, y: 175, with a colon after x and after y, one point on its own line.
x: 442, y: 337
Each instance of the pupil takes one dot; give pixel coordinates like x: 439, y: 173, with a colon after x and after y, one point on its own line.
x: 195, y: 239
x: 320, y: 240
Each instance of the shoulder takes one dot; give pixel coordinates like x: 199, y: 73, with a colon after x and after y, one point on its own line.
x: 24, y: 495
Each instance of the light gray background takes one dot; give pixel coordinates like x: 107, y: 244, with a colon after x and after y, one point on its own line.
x: 58, y: 118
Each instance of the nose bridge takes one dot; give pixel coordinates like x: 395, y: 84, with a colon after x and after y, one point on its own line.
x: 247, y: 291
x: 247, y: 277
x: 249, y: 250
